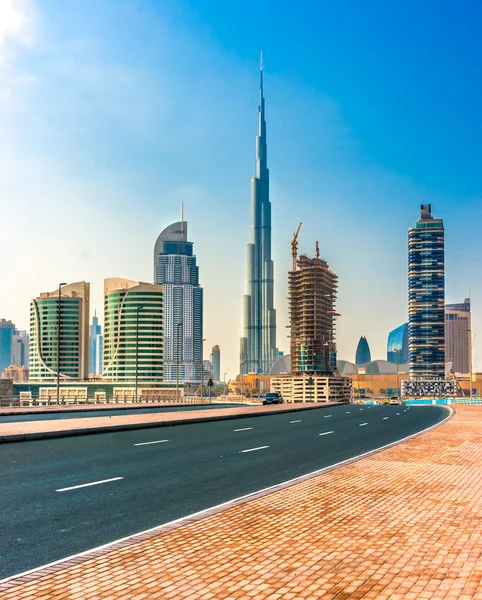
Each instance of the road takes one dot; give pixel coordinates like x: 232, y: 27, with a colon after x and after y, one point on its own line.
x: 145, y: 478
x: 81, y: 414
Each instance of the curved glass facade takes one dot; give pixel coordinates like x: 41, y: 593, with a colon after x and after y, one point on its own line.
x: 126, y: 345
x: 398, y: 340
x: 363, y: 354
x: 67, y: 324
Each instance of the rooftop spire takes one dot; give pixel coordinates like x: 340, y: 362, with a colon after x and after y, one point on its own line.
x: 261, y: 148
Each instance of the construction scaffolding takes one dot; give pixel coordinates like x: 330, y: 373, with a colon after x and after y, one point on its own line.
x: 312, y: 296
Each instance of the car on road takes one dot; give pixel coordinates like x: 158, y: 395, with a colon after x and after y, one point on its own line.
x: 273, y: 398
x: 394, y: 400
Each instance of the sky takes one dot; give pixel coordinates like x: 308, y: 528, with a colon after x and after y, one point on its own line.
x: 112, y: 113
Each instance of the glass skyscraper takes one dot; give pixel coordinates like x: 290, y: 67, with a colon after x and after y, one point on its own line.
x: 426, y: 297
x: 398, y: 340
x: 96, y: 346
x: 7, y: 330
x: 175, y: 268
x: 258, y: 349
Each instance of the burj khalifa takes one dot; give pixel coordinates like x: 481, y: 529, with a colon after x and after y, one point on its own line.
x: 258, y: 345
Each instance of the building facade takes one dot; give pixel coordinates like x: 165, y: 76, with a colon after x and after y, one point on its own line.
x: 7, y: 330
x: 59, y: 333
x: 426, y: 297
x: 176, y: 270
x: 312, y: 288
x: 133, y: 331
x: 20, y: 346
x: 458, y: 336
x: 16, y: 373
x: 397, y: 345
x: 258, y: 345
x: 363, y: 354
x: 96, y: 347
x: 216, y: 362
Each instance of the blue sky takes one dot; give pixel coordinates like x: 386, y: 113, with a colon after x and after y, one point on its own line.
x: 113, y: 112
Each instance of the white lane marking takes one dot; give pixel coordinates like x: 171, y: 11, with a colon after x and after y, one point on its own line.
x: 243, y: 429
x: 362, y: 424
x: 298, y: 421
x: 147, y: 443
x: 76, y: 487
x: 253, y: 449
x: 228, y: 503
x: 326, y: 416
x: 326, y: 433
x: 361, y: 408
x: 347, y: 412
x: 385, y: 418
x: 398, y: 413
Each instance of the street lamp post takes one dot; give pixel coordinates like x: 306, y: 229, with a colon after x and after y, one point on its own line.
x: 177, y: 361
x: 396, y: 356
x: 202, y: 367
x: 470, y: 360
x: 139, y: 308
x: 58, y: 344
x: 225, y: 385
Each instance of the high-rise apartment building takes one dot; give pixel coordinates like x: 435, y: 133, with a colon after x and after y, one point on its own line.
x: 59, y: 333
x: 216, y: 361
x: 363, y: 354
x: 96, y: 347
x: 176, y: 270
x: 258, y: 349
x: 7, y: 330
x: 133, y: 316
x: 458, y: 336
x: 312, y: 294
x: 397, y: 345
x: 16, y: 373
x: 426, y: 297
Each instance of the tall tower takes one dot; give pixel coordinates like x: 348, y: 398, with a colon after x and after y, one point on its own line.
x: 216, y: 354
x: 258, y: 345
x: 426, y: 297
x: 458, y: 332
x: 96, y: 346
x: 175, y: 268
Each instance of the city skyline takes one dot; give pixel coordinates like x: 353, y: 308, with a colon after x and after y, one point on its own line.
x: 352, y: 166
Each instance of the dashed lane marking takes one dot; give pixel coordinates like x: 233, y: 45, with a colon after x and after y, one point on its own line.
x: 75, y: 487
x: 326, y: 433
x: 243, y: 429
x: 253, y: 449
x: 362, y: 424
x: 147, y: 443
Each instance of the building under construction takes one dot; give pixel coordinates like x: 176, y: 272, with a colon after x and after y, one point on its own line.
x: 312, y: 295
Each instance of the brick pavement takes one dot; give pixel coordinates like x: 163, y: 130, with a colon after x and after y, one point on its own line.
x: 404, y: 523
x: 23, y: 430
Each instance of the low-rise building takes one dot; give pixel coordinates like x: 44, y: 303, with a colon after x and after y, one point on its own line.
x: 304, y: 388
x: 15, y: 373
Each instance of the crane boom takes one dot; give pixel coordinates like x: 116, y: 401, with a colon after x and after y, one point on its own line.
x: 294, y: 246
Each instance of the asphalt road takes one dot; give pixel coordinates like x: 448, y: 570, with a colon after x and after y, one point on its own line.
x: 182, y: 470
x: 81, y: 414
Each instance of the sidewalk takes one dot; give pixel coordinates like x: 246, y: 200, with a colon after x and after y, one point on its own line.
x: 405, y: 523
x: 32, y: 430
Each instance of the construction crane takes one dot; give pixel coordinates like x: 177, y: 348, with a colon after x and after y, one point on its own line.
x: 294, y: 246
x: 317, y: 250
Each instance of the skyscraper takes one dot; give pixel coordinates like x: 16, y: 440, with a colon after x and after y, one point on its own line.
x: 60, y: 333
x: 132, y: 330
x: 7, y: 329
x: 426, y: 297
x: 363, y: 354
x: 216, y: 354
x: 175, y: 268
x: 312, y: 292
x: 457, y: 336
x: 398, y: 341
x: 96, y: 346
x: 258, y: 345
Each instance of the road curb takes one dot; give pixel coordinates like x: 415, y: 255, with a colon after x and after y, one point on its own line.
x: 93, y: 407
x: 23, y: 437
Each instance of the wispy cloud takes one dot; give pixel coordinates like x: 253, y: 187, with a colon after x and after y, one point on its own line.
x: 15, y: 27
